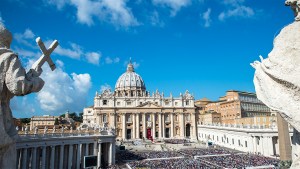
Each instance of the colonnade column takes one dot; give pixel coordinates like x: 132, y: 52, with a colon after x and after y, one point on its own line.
x: 138, y: 126
x: 99, y: 155
x: 43, y: 157
x: 144, y: 125
x: 172, y: 125
x: 24, y: 158
x: 159, y: 126
x: 95, y: 148
x: 133, y: 126
x: 78, y: 155
x: 61, y: 157
x: 70, y: 156
x: 86, y: 149
x: 163, y: 125
x: 153, y: 126
x: 123, y: 126
x: 52, y: 157
x: 113, y: 149
x: 33, y: 162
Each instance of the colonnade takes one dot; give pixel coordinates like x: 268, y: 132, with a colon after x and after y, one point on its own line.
x: 64, y: 153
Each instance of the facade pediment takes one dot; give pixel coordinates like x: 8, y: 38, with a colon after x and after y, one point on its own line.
x: 149, y: 105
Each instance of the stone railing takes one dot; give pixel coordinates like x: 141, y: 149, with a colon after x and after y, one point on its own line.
x: 242, y: 127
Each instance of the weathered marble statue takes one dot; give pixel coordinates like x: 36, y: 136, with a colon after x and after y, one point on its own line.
x: 295, y: 5
x: 277, y: 79
x: 14, y: 81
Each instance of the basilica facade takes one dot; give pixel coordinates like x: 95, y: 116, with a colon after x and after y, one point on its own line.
x: 137, y: 114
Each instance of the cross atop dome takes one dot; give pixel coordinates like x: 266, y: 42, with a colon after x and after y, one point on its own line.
x: 130, y: 67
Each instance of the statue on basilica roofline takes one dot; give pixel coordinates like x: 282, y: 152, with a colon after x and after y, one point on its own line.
x: 277, y: 78
x: 15, y: 81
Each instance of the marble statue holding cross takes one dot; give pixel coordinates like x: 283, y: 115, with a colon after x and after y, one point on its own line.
x: 277, y: 78
x: 15, y: 81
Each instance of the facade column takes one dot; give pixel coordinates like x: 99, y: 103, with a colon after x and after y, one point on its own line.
x: 33, y: 161
x: 44, y: 157
x: 61, y: 156
x: 182, y: 126
x: 194, y: 134
x: 78, y: 156
x: 133, y: 126
x: 112, y: 119
x: 52, y: 157
x: 172, y: 125
x: 163, y: 125
x: 159, y: 126
x: 24, y: 158
x: 99, y: 155
x: 70, y: 158
x: 153, y: 126
x: 144, y: 125
x: 123, y: 126
x: 138, y: 126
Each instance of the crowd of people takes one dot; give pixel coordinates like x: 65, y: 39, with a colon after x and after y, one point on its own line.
x: 240, y: 160
x: 169, y: 164
x: 130, y: 155
x: 206, y: 158
x: 177, y: 141
x: 201, y: 152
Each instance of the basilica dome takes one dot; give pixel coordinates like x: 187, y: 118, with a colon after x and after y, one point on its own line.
x: 130, y: 82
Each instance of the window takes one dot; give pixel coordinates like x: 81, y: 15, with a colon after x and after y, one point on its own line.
x: 239, y: 142
x: 246, y: 144
x: 176, y: 103
x: 232, y: 141
x: 187, y: 102
x: 118, y: 103
x: 166, y: 103
x: 128, y: 103
x: 104, y: 102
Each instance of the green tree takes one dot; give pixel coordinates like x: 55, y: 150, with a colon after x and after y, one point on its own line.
x: 25, y: 120
x: 56, y: 121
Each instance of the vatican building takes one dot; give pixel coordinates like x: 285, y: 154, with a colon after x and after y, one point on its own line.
x: 134, y: 113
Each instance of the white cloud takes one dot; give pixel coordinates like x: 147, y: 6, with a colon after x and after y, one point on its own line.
x: 155, y: 19
x: 175, y: 5
x: 236, y: 8
x: 112, y: 11
x: 93, y: 57
x: 135, y: 65
x: 109, y: 60
x: 26, y: 53
x: 117, y: 60
x: 74, y: 52
x: 26, y: 38
x: 206, y: 18
x: 63, y: 92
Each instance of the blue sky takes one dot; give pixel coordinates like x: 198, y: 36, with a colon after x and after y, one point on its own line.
x: 204, y: 46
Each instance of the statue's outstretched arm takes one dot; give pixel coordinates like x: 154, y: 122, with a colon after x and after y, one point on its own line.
x: 17, y: 81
